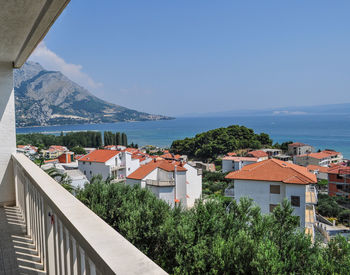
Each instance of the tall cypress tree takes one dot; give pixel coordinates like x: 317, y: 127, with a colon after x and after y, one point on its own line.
x: 118, y: 140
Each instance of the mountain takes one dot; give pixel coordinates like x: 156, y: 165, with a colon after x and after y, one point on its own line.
x: 328, y: 109
x: 50, y: 98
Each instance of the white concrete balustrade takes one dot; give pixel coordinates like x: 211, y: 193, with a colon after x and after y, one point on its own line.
x: 68, y: 237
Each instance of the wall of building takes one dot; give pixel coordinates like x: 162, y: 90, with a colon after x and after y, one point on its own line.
x: 180, y: 181
x: 193, y: 185
x: 227, y: 166
x: 166, y: 193
x: 7, y: 134
x: 90, y: 169
x: 259, y: 191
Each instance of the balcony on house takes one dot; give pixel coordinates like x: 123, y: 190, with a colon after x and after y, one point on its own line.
x: 161, y: 183
x: 43, y: 228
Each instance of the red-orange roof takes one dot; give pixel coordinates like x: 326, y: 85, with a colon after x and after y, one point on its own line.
x: 274, y: 170
x: 297, y: 144
x: 240, y: 158
x: 257, y: 154
x: 231, y: 154
x: 321, y: 169
x: 339, y: 169
x: 101, y: 155
x: 166, y: 165
x: 322, y: 154
x: 58, y: 148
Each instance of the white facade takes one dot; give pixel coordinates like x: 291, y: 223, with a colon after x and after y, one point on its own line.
x: 193, y: 184
x: 185, y: 186
x: 232, y: 165
x: 259, y: 191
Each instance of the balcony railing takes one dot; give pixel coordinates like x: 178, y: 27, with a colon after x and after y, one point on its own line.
x: 161, y: 182
x: 68, y: 236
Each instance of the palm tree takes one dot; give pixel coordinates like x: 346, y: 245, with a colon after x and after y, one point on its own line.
x: 61, y: 178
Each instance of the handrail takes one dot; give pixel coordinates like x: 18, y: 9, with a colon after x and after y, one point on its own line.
x: 67, y: 233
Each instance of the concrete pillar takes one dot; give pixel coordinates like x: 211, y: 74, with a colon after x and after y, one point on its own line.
x: 7, y: 134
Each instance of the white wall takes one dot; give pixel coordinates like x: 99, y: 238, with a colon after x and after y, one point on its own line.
x: 193, y: 185
x: 180, y: 182
x: 91, y: 169
x: 227, y: 166
x: 166, y: 193
x: 259, y: 191
x: 7, y: 133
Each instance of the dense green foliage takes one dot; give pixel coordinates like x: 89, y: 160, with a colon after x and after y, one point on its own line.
x: 283, y: 146
x: 214, y: 183
x: 332, y: 207
x: 70, y: 140
x: 211, y: 238
x: 78, y: 150
x: 117, y: 138
x: 220, y: 141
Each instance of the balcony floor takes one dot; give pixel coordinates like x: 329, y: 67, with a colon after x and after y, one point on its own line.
x: 17, y: 252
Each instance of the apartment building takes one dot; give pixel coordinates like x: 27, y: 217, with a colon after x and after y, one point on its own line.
x: 259, y: 154
x: 269, y: 182
x: 171, y: 181
x: 298, y: 148
x: 323, y: 158
x: 339, y: 181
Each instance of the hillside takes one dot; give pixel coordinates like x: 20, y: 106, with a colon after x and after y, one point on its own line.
x: 50, y: 98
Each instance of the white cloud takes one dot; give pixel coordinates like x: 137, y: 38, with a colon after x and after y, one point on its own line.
x: 51, y: 61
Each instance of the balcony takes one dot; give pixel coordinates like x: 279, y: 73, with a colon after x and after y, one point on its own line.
x: 50, y: 231
x: 161, y: 183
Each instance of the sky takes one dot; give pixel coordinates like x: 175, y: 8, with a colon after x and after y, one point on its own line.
x: 179, y: 57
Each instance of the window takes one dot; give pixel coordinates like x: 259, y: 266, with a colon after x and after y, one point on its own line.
x: 83, y: 162
x: 295, y: 200
x: 275, y: 189
x: 90, y: 163
x: 84, y: 172
x: 272, y: 207
x: 339, y: 186
x: 90, y: 172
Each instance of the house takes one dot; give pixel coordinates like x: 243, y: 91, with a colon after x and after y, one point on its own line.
x: 171, y: 181
x: 27, y: 149
x: 269, y: 182
x: 259, y: 154
x: 99, y: 162
x: 66, y: 157
x: 321, y: 172
x: 323, y: 158
x: 236, y: 163
x: 284, y: 157
x: 339, y: 181
x: 298, y: 148
x: 54, y: 151
x: 272, y: 152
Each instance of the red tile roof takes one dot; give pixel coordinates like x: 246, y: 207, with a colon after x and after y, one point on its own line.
x: 321, y: 169
x: 297, y: 144
x: 100, y: 155
x: 240, y: 158
x: 274, y: 170
x: 58, y: 148
x: 339, y: 169
x: 231, y: 154
x: 166, y: 165
x: 321, y: 155
x: 257, y: 154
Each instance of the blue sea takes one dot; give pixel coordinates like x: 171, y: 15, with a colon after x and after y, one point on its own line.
x: 323, y: 132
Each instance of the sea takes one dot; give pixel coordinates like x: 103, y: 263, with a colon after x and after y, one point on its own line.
x: 320, y: 131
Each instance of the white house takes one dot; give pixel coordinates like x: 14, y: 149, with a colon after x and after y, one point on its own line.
x: 108, y: 163
x: 323, y: 158
x: 236, y: 163
x: 171, y: 181
x: 269, y: 182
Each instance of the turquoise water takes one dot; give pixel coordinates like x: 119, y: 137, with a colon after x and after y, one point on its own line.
x: 332, y: 132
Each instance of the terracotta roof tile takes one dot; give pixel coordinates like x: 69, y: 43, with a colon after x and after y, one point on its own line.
x: 274, y: 170
x: 166, y: 165
x: 100, y: 155
x: 240, y: 158
x: 257, y: 154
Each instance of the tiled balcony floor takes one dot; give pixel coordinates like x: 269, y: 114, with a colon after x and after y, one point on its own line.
x: 17, y: 252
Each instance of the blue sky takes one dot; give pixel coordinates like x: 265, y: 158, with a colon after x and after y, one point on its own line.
x: 176, y: 57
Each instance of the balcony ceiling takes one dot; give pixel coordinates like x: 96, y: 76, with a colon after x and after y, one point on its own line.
x: 23, y: 24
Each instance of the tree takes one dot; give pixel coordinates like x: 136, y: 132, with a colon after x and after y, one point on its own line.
x: 124, y: 139
x: 118, y: 139
x: 61, y: 178
x: 78, y: 150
